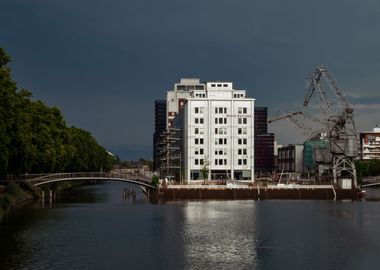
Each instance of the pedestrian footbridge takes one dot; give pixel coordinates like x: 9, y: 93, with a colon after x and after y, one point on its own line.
x: 41, y: 179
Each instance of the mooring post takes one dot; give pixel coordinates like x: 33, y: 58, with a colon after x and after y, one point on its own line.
x: 258, y: 192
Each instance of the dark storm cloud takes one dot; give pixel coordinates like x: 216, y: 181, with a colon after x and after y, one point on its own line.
x: 103, y: 63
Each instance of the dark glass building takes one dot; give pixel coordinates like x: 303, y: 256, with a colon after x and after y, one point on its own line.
x: 159, y: 128
x: 264, y: 142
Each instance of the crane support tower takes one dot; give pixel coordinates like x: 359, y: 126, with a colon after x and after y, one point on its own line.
x: 337, y: 116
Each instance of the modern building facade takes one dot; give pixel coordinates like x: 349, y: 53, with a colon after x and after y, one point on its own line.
x: 217, y: 127
x: 290, y: 159
x: 264, y: 142
x: 370, y: 144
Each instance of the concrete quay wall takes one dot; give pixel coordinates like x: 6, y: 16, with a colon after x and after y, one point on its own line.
x: 196, y: 193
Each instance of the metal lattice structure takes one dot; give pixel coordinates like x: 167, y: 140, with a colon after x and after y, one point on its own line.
x: 337, y: 116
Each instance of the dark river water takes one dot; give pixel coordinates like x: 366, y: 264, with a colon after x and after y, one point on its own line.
x: 92, y: 227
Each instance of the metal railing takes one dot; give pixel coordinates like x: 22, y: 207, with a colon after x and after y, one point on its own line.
x: 37, y: 179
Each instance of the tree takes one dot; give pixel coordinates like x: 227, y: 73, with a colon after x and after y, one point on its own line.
x: 155, y: 180
x: 205, y: 170
x: 34, y: 138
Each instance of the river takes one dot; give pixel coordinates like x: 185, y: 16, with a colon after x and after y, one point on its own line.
x: 93, y: 227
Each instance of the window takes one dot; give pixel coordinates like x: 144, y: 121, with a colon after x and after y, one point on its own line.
x: 239, y: 131
x: 225, y: 110
x: 240, y: 110
x: 219, y: 85
x: 220, y: 141
x: 216, y: 110
x: 196, y: 151
x: 196, y: 109
x: 225, y: 85
x: 216, y: 120
x: 244, y: 151
x: 201, y: 131
x: 201, y: 120
x: 239, y: 161
x: 220, y: 130
x: 196, y: 141
x: 200, y: 141
x: 239, y: 151
x: 225, y: 141
x: 220, y: 110
x: 196, y: 131
x: 225, y: 120
x: 201, y: 152
x: 244, y: 110
x: 242, y: 120
x: 244, y: 162
x: 242, y: 141
x: 216, y: 162
x: 220, y: 120
x: 213, y: 85
x: 196, y: 161
x: 196, y: 120
x: 201, y: 161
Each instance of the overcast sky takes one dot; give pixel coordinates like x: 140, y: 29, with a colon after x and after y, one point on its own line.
x: 103, y: 63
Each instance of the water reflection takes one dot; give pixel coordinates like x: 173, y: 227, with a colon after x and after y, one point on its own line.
x: 94, y: 227
x: 220, y: 235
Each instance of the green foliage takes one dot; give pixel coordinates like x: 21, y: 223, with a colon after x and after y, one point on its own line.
x: 205, y: 169
x: 34, y: 138
x: 14, y: 190
x: 365, y: 168
x: 155, y: 180
x: 130, y: 164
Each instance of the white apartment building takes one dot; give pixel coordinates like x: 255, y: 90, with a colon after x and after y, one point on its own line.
x: 217, y: 125
x: 370, y: 144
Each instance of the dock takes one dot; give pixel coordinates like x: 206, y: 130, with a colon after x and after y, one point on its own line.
x: 245, y: 192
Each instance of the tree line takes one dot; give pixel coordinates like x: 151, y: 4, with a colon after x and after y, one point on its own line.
x: 34, y: 138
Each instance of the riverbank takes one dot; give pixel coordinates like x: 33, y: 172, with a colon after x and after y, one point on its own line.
x: 269, y: 192
x: 15, y: 195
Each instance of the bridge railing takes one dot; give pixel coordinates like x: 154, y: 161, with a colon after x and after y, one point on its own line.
x: 127, y: 176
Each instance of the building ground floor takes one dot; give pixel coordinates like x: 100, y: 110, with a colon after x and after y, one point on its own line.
x: 222, y: 175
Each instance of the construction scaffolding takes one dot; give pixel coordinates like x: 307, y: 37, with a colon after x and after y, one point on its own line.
x: 169, y: 151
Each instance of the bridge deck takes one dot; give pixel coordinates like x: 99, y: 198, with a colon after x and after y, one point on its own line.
x: 40, y: 179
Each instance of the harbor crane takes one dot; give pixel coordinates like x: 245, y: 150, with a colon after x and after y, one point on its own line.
x: 337, y: 116
x: 297, y: 118
x: 338, y: 127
